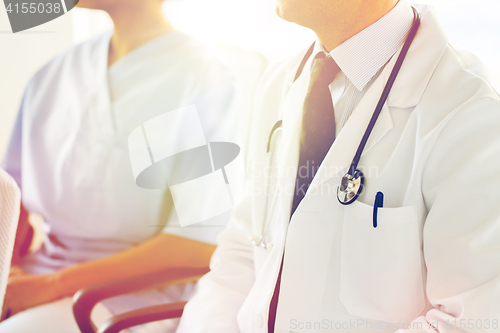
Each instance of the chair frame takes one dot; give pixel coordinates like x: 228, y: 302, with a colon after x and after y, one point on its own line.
x: 85, y: 299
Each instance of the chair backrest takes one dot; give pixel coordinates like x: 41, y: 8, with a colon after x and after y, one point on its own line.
x: 10, y: 203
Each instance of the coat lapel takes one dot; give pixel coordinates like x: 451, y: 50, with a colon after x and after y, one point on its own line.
x: 406, y: 93
x: 289, y: 155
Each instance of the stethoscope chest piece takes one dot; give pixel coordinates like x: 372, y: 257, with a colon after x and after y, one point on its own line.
x: 350, y: 187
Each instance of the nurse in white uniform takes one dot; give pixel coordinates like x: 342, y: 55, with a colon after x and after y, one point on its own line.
x: 69, y: 155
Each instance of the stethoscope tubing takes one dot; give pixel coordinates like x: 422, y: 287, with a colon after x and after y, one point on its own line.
x: 387, y: 90
x: 262, y: 242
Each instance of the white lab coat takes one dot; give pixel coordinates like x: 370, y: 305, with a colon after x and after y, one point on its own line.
x: 435, y: 255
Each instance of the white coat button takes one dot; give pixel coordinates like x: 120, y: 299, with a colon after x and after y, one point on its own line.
x: 259, y: 320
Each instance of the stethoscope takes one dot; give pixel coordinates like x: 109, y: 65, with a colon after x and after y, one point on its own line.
x: 352, y: 183
x: 278, y: 127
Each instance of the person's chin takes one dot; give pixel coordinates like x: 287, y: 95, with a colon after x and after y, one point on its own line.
x: 291, y: 10
x: 283, y: 12
x: 279, y: 9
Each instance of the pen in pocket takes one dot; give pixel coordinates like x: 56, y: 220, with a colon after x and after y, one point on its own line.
x: 379, y: 203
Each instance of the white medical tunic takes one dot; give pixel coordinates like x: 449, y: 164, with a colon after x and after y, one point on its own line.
x: 69, y: 149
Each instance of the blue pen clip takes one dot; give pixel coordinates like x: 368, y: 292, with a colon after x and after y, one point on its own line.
x: 379, y: 203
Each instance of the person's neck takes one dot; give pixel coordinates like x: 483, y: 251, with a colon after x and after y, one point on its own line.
x: 134, y: 27
x: 333, y: 32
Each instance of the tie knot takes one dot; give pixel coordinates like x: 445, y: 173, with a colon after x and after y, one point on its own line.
x: 324, y: 69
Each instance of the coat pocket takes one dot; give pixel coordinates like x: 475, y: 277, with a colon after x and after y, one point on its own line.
x: 381, y: 272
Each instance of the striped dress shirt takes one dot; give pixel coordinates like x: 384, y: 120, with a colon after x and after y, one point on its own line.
x: 363, y: 57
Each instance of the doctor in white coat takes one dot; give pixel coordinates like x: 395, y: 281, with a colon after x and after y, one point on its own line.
x: 432, y: 264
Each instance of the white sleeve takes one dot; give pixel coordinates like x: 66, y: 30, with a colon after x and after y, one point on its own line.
x: 461, y: 235
x: 220, y: 123
x: 206, y: 231
x: 225, y: 108
x: 221, y: 293
x: 12, y: 161
x: 10, y: 199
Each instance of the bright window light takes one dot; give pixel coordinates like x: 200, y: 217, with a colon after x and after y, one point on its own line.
x: 471, y: 24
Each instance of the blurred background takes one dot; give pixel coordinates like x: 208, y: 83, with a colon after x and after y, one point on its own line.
x: 472, y: 24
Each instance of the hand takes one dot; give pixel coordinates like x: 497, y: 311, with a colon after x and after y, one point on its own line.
x: 16, y: 271
x: 25, y: 291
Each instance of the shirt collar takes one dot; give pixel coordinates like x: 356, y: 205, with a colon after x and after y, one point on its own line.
x: 363, y: 55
